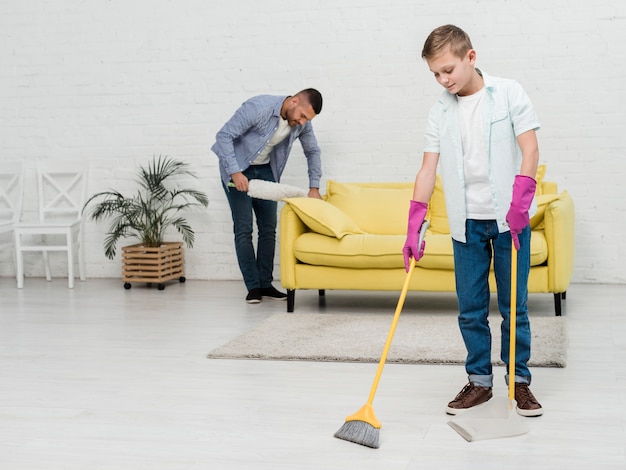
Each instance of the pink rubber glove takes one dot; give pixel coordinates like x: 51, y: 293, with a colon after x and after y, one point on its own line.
x: 417, y: 212
x: 517, y: 217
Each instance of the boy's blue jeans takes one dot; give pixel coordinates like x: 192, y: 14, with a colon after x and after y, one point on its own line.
x: 257, y: 269
x: 472, y: 261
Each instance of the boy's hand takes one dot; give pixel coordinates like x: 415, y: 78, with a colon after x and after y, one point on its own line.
x: 517, y: 217
x: 417, y: 212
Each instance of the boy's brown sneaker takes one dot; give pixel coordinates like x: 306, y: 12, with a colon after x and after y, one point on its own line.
x: 527, y: 404
x: 471, y: 395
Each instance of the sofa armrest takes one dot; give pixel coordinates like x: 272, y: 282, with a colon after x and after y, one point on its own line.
x: 559, y: 232
x: 291, y: 227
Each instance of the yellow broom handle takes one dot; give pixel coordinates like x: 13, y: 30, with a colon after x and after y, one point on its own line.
x: 392, y: 330
x: 513, y: 322
x: 396, y: 316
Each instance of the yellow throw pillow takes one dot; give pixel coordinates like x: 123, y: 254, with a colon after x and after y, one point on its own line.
x: 322, y: 217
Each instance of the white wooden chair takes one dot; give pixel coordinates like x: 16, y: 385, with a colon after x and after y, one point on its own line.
x: 61, y: 192
x: 11, y: 195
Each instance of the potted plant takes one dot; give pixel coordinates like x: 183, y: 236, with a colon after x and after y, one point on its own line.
x: 156, y: 206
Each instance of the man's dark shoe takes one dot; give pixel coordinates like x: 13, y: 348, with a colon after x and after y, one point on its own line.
x: 254, y: 296
x: 471, y: 395
x: 527, y: 404
x: 272, y: 293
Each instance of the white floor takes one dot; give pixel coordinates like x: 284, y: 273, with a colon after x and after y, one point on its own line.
x: 99, y: 377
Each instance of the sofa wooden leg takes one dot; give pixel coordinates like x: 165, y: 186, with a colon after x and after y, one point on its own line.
x: 322, y: 292
x: 557, y: 304
x: 291, y: 300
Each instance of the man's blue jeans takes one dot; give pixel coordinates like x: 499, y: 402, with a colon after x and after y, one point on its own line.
x: 472, y: 261
x: 257, y: 270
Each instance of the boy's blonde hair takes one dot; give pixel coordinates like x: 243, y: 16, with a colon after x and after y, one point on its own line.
x: 446, y: 36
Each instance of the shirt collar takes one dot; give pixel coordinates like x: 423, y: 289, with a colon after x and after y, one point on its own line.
x: 488, y: 81
x: 279, y: 105
x: 447, y: 98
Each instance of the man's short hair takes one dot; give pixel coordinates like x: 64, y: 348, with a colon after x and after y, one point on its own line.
x: 446, y: 36
x: 313, y: 97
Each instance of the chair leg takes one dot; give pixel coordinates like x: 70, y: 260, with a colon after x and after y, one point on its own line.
x: 81, y: 263
x: 46, y: 266
x: 70, y: 262
x: 19, y: 262
x: 80, y: 254
x: 291, y: 298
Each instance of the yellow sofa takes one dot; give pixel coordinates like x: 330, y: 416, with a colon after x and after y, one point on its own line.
x: 353, y: 239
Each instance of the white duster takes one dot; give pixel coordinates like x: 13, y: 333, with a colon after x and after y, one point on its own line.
x: 270, y: 191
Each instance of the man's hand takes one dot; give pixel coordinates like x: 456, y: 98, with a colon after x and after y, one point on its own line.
x: 240, y: 181
x: 314, y: 192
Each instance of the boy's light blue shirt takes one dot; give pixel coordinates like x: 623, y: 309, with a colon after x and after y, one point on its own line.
x: 507, y: 113
x: 249, y: 130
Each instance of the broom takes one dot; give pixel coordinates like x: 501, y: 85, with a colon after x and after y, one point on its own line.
x: 362, y: 427
x: 271, y: 191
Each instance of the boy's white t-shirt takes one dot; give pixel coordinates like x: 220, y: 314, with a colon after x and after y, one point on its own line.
x: 478, y: 197
x: 282, y: 131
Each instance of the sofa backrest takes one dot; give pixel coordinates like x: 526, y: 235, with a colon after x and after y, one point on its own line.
x: 382, y: 208
x: 437, y: 212
x: 377, y: 208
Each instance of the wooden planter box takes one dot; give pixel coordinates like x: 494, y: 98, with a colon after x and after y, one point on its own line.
x: 153, y: 265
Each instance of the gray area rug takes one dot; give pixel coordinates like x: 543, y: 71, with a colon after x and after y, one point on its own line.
x: 419, y: 339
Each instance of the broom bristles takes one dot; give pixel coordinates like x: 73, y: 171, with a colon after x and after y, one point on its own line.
x: 359, y: 432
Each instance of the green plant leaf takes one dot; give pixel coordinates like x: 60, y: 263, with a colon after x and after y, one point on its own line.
x: 156, y: 206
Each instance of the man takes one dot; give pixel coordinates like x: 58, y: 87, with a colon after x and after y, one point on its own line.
x: 255, y: 144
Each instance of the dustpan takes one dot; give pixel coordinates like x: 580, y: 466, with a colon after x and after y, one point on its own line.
x: 497, y: 418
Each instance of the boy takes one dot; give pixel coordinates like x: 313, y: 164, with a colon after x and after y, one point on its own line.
x: 482, y: 129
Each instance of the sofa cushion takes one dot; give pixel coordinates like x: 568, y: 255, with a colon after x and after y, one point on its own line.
x: 353, y: 251
x: 377, y: 208
x: 322, y: 217
x: 385, y: 251
x: 438, y: 252
x: 538, y: 248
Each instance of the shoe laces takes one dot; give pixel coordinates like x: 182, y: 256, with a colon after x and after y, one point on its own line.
x: 524, y: 395
x: 465, y: 391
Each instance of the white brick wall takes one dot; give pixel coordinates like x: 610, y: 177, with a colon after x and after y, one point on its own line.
x: 116, y: 82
